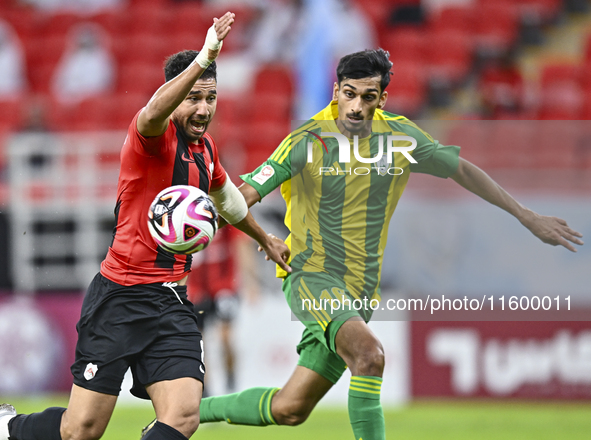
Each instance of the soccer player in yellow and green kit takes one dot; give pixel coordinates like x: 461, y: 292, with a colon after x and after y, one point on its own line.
x: 339, y: 205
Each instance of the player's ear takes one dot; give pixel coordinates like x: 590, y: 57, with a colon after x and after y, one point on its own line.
x: 383, y: 99
x: 335, y: 92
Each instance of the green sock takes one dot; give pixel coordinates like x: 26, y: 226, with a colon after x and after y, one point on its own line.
x: 365, y: 411
x: 249, y: 407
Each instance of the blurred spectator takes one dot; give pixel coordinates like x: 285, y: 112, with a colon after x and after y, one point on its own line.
x: 332, y: 28
x: 354, y: 32
x: 276, y: 32
x: 87, y: 67
x: 79, y: 6
x: 502, y: 88
x: 12, y: 63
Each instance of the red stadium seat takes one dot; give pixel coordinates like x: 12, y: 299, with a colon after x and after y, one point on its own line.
x: 448, y: 56
x: 471, y: 137
x: 230, y: 110
x: 11, y: 113
x: 41, y: 75
x: 94, y: 114
x: 453, y: 18
x: 59, y: 116
x: 405, y: 45
x: 562, y: 72
x: 271, y: 107
x: 555, y: 145
x: 561, y: 92
x: 407, y: 90
x: 191, y: 19
x: 496, y: 27
x: 261, y: 139
x: 143, y: 18
x: 378, y: 11
x: 140, y: 77
x: 127, y: 105
x: 510, y: 144
x: 112, y: 22
x: 46, y: 49
x: 25, y: 21
x: 138, y: 47
x: 274, y: 78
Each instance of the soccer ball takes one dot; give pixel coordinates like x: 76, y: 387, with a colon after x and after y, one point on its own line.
x: 182, y: 219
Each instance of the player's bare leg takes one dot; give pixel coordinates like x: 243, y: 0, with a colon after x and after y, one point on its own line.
x: 176, y: 403
x: 293, y: 403
x: 87, y: 415
x: 86, y: 418
x: 363, y: 353
x: 263, y: 406
x: 360, y: 348
x: 228, y: 350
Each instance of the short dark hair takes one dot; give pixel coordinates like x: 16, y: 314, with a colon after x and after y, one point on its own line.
x: 366, y: 64
x: 178, y: 62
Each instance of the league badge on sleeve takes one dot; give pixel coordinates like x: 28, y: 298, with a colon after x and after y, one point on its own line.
x: 264, y: 174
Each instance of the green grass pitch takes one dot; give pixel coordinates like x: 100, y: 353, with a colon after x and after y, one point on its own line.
x: 423, y: 420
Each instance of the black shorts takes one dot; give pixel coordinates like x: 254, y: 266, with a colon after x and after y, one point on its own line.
x: 149, y: 327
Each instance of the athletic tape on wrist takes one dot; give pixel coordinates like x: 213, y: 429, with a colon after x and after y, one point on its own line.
x: 211, y: 43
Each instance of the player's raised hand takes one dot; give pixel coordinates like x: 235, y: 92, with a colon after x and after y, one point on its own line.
x: 277, y: 250
x: 214, y: 39
x: 553, y: 230
x: 222, y: 26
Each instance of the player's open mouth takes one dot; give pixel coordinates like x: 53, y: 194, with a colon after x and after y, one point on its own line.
x: 198, y: 127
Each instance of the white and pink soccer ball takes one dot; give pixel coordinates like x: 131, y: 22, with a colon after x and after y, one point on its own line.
x: 182, y: 219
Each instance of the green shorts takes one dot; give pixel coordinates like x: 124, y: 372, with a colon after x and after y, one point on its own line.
x: 316, y: 292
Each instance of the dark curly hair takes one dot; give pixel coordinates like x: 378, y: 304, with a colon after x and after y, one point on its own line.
x: 366, y: 64
x: 178, y: 62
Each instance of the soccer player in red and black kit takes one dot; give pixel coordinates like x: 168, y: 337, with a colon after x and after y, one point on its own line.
x: 136, y: 313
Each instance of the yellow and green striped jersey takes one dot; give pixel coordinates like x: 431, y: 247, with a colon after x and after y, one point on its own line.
x: 339, y: 212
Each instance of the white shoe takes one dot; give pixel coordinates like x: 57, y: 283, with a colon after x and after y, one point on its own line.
x: 7, y: 412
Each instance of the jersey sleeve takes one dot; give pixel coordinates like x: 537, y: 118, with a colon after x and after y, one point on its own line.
x: 278, y: 168
x: 432, y: 157
x: 148, y: 146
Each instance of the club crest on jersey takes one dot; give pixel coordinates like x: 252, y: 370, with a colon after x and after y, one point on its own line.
x: 90, y: 371
x: 382, y: 166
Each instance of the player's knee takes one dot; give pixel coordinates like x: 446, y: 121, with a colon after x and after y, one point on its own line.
x: 370, y: 361
x: 85, y: 430
x: 185, y: 421
x: 292, y: 414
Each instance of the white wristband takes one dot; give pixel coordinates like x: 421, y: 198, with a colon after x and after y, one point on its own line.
x: 230, y: 202
x: 211, y: 43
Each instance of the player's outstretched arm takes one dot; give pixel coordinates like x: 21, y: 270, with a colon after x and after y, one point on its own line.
x: 232, y: 206
x: 550, y: 230
x: 154, y: 118
x: 251, y: 196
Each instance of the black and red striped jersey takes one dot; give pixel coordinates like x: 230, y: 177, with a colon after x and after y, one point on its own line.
x: 149, y: 165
